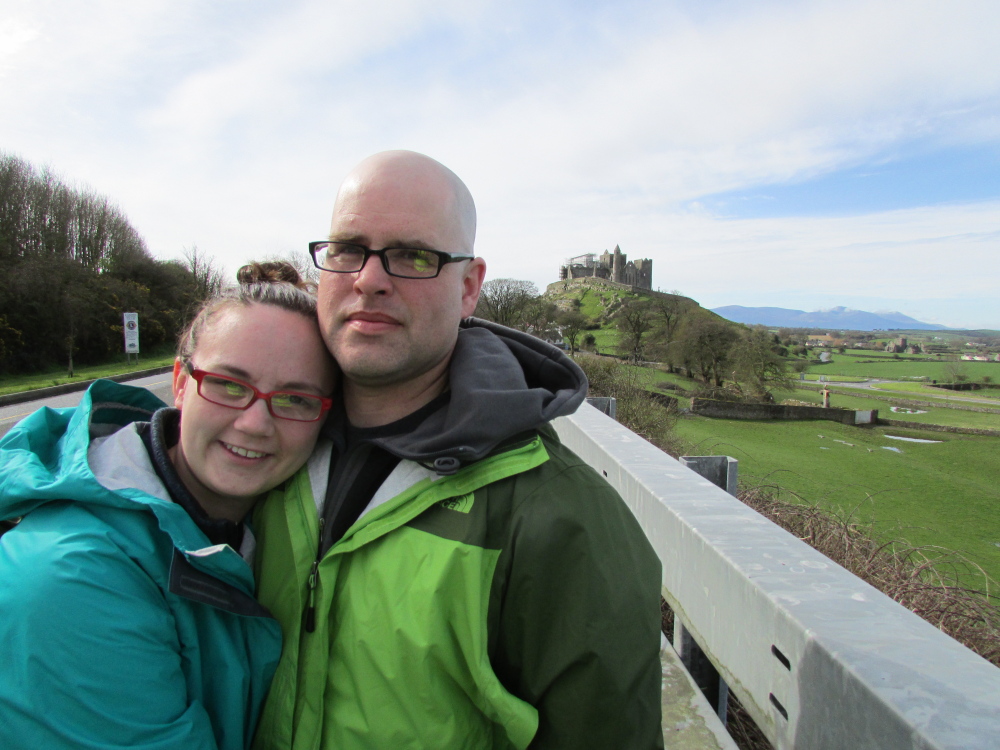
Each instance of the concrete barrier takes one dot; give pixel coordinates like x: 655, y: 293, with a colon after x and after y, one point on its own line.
x: 820, y: 659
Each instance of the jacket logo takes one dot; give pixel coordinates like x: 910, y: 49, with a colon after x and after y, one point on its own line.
x: 462, y: 503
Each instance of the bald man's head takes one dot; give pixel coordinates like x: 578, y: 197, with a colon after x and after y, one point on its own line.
x: 394, y: 335
x: 406, y: 180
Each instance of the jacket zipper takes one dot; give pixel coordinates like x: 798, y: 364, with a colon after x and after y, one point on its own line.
x: 310, y: 623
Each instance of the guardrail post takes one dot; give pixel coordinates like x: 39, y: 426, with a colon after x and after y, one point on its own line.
x: 722, y: 471
x: 604, y: 404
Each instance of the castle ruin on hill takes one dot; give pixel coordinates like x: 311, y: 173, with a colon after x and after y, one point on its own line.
x: 612, y: 266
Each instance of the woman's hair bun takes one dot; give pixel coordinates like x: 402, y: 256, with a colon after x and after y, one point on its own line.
x: 269, y: 272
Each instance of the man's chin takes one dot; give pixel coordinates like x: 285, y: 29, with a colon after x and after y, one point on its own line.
x: 373, y: 372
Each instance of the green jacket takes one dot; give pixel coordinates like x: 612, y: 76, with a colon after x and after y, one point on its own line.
x: 514, y: 602
x: 121, y: 625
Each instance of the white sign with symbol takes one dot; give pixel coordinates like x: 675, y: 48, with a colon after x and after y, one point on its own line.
x: 131, y: 333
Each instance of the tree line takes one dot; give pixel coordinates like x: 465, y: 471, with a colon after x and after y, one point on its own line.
x: 70, y: 265
x: 667, y: 328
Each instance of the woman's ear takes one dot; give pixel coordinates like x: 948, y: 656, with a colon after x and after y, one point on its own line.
x: 181, y: 379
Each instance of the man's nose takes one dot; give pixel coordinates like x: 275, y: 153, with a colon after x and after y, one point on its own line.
x: 372, y: 278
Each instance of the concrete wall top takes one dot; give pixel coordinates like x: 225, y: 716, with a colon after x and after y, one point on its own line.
x: 820, y: 659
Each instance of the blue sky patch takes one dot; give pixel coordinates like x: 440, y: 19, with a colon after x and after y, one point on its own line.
x: 926, y: 178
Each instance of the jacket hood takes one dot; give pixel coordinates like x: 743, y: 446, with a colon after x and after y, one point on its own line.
x: 502, y: 382
x: 44, y: 457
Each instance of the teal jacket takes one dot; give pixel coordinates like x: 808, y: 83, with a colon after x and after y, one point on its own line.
x: 121, y: 626
x: 511, y: 603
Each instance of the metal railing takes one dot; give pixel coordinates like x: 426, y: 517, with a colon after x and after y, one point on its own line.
x: 819, y: 658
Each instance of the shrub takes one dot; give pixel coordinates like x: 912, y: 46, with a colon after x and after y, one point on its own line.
x: 635, y: 406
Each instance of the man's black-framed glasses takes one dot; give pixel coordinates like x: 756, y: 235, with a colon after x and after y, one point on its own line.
x: 401, y: 262
x: 234, y: 393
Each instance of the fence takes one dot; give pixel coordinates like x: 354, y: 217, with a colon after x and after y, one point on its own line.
x: 819, y: 658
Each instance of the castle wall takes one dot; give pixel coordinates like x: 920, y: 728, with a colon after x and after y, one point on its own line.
x: 614, y: 266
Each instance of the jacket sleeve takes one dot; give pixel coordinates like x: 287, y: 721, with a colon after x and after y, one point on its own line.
x: 579, y: 624
x: 91, y: 654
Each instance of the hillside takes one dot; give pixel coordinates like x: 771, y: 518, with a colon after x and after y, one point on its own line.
x: 837, y: 318
x: 599, y: 298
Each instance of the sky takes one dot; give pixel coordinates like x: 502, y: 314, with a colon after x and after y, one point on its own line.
x: 782, y: 153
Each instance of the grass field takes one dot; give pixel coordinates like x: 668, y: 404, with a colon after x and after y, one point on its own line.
x: 844, y: 399
x: 945, y: 493
x: 607, y: 339
x: 898, y: 369
x: 921, y: 389
x: 18, y: 383
x: 590, y: 302
x: 905, y: 392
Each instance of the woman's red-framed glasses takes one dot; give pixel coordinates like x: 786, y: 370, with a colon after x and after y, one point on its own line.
x: 237, y: 394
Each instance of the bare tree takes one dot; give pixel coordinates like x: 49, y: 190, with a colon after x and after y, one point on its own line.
x: 707, y: 344
x: 634, y: 321
x: 756, y: 366
x: 571, y: 325
x: 505, y: 301
x: 540, y: 318
x: 667, y: 313
x: 208, y: 278
x: 955, y: 371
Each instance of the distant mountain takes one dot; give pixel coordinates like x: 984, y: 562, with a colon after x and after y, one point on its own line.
x: 838, y: 318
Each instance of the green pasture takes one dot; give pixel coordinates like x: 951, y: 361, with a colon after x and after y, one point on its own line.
x: 907, y: 392
x: 945, y: 493
x: 590, y: 302
x: 606, y: 339
x: 657, y: 376
x: 844, y: 399
x: 900, y: 369
x: 18, y: 383
x: 922, y: 389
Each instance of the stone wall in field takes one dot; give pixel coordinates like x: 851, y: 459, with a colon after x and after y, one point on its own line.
x: 732, y: 410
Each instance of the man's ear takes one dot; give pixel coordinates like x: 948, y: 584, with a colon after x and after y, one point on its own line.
x: 472, y: 283
x: 181, y: 379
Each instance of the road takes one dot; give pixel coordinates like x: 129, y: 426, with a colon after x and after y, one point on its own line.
x: 910, y: 395
x: 159, y: 385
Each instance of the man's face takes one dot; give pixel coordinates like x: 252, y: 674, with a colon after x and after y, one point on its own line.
x: 385, y: 330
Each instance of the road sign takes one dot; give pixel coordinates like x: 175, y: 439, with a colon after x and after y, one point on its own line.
x: 131, y: 333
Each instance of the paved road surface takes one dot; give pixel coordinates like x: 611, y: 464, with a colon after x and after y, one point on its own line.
x: 159, y: 385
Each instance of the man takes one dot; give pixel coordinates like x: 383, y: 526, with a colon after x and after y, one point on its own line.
x: 448, y: 575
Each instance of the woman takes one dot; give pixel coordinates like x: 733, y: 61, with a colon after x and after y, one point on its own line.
x: 127, y: 615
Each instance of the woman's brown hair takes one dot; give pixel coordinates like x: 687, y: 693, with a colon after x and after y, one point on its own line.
x: 274, y: 283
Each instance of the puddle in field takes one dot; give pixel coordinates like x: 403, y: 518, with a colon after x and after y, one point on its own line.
x: 911, y: 440
x: 904, y: 410
x: 891, y: 448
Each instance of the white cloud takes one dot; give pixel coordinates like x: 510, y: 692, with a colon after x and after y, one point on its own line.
x: 229, y: 124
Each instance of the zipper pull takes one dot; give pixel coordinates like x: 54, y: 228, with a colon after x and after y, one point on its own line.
x: 311, y: 609
x: 310, y: 623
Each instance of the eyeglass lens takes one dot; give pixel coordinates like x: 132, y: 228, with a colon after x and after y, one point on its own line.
x: 401, y: 261
x: 234, y: 394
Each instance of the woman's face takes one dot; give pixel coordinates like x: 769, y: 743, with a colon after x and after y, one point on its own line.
x: 227, y: 457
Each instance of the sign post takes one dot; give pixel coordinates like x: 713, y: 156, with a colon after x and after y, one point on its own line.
x: 131, y: 336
